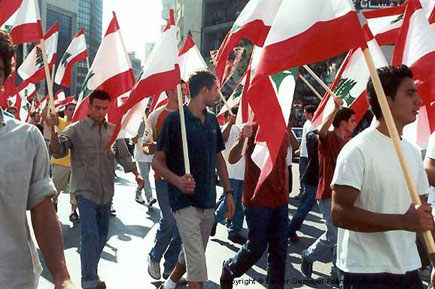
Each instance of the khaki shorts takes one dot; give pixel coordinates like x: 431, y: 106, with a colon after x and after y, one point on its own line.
x: 61, y: 178
x: 194, y: 226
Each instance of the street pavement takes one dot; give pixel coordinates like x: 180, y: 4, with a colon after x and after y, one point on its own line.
x: 123, y: 263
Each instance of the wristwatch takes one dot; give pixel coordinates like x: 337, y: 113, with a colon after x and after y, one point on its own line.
x: 229, y: 192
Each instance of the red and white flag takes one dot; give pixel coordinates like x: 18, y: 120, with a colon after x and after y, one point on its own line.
x: 20, y: 100
x: 77, y: 51
x: 253, y: 23
x: 111, y: 71
x: 60, y: 104
x: 416, y: 49
x: 32, y: 69
x: 385, y: 23
x: 351, y: 82
x: 317, y: 30
x: 190, y: 59
x: 161, y: 72
x: 23, y: 23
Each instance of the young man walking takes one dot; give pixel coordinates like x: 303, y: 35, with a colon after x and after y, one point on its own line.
x: 371, y: 204
x: 93, y: 173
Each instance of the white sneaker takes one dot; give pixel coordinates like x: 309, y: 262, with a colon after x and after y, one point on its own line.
x: 153, y: 269
x: 139, y: 199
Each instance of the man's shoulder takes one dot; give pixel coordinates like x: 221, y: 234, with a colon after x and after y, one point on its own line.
x: 23, y: 129
x: 155, y: 113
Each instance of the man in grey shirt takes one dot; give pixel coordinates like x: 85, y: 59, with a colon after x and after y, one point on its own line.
x: 25, y: 185
x: 92, y: 178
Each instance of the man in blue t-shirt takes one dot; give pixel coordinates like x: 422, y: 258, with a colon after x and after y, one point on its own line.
x: 193, y: 196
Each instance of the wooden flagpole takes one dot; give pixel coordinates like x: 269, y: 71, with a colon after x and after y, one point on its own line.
x: 392, y: 129
x: 53, y: 74
x: 320, y: 81
x: 50, y: 100
x: 87, y: 63
x: 183, y: 131
x: 310, y: 86
x: 225, y: 102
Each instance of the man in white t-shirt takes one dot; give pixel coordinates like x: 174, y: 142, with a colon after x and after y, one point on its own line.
x: 429, y: 165
x: 303, y: 152
x: 371, y: 204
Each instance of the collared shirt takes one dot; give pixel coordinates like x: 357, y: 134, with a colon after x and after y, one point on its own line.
x: 204, y: 143
x: 93, y: 167
x: 24, y: 183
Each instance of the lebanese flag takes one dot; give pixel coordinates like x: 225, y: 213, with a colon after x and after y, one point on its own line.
x: 111, y: 71
x: 318, y: 30
x: 253, y: 23
x: 385, y: 23
x: 416, y: 49
x: 32, y: 69
x: 59, y: 104
x: 161, y: 72
x: 235, y: 97
x: 190, y: 59
x: 20, y: 101
x: 23, y: 23
x: 351, y: 82
x: 9, y: 89
x: 429, y: 10
x: 77, y: 51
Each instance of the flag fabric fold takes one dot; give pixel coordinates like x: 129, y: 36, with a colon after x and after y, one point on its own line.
x: 76, y: 51
x: 190, y: 59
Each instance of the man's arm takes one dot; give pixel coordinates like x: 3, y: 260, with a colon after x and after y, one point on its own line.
x: 124, y: 159
x: 222, y: 172
x: 324, y: 127
x: 47, y: 233
x: 236, y: 151
x: 345, y: 215
x: 293, y: 141
x: 185, y: 184
x: 227, y: 129
x: 429, y: 166
x: 55, y: 146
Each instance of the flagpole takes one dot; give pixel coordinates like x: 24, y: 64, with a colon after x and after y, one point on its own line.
x: 394, y: 134
x: 87, y: 63
x: 225, y: 102
x: 320, y: 81
x: 310, y: 87
x: 245, y: 141
x: 183, y: 131
x: 50, y: 101
x: 52, y: 75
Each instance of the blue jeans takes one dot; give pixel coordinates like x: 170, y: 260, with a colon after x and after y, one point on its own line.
x: 266, y: 227
x: 167, y: 241
x: 324, y: 249
x: 307, y: 202
x: 237, y: 221
x: 94, y: 227
x: 303, y: 163
x: 409, y: 280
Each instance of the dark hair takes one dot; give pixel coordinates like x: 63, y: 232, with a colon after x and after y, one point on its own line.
x: 310, y: 108
x: 100, y: 94
x: 391, y: 78
x: 343, y: 113
x: 11, y: 108
x: 6, y: 52
x: 32, y: 115
x: 235, y: 110
x: 199, y: 80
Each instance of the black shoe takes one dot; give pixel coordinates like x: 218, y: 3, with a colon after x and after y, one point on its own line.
x: 226, y: 280
x: 213, y: 229
x: 74, y: 217
x: 237, y: 238
x: 306, y: 266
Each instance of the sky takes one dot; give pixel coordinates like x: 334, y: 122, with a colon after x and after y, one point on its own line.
x: 140, y: 22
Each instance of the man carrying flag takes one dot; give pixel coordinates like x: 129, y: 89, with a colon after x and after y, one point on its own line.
x: 92, y: 182
x: 193, y: 196
x: 25, y: 185
x: 371, y: 204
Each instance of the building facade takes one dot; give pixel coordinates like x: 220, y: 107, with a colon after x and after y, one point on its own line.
x: 189, y: 19
x: 136, y: 64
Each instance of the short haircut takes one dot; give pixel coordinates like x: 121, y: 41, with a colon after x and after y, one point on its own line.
x: 100, y: 94
x: 391, y: 78
x: 343, y: 113
x: 71, y: 103
x: 235, y: 110
x: 310, y: 108
x: 6, y: 52
x: 198, y: 80
x: 33, y: 114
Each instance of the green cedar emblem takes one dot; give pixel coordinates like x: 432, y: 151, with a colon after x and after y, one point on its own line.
x: 26, y: 107
x: 8, y: 28
x: 39, y: 58
x: 86, y: 91
x: 63, y: 61
x: 278, y: 78
x: 400, y: 17
x: 343, y: 88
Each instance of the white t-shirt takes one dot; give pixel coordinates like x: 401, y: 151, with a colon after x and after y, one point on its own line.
x: 430, y: 153
x: 369, y: 163
x: 237, y: 170
x: 308, y: 126
x: 139, y: 156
